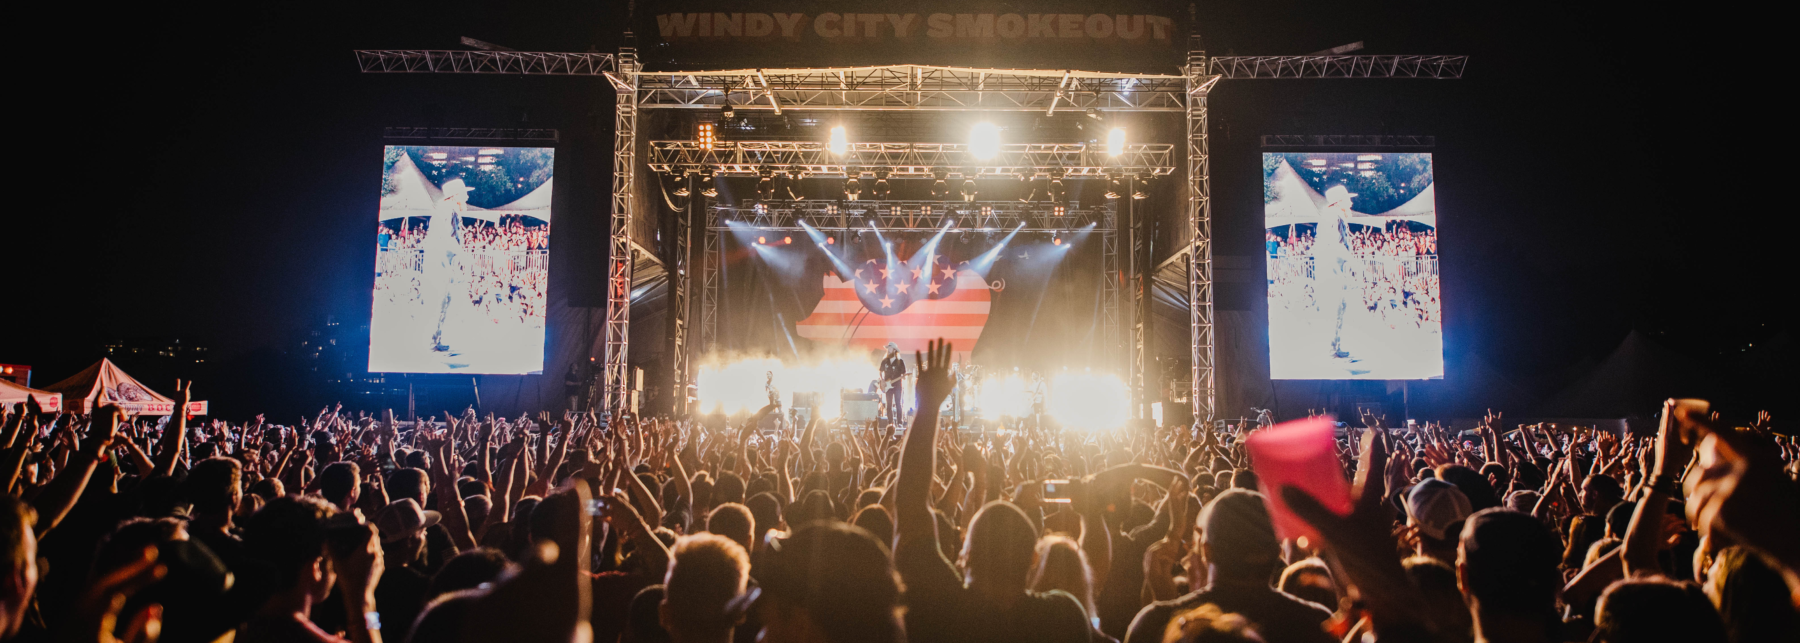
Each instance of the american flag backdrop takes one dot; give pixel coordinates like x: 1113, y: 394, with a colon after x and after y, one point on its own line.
x: 907, y: 303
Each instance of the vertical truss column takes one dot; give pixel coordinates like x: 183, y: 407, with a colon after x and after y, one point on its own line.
x: 1199, y: 218
x: 681, y: 255
x: 710, y: 256
x: 617, y: 379
x: 1110, y: 339
x: 1139, y: 283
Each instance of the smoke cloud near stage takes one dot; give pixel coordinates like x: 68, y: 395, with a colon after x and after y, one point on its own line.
x: 1353, y: 282
x: 462, y: 265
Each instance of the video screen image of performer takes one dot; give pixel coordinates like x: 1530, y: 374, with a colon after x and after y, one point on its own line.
x: 1354, y: 291
x: 462, y: 266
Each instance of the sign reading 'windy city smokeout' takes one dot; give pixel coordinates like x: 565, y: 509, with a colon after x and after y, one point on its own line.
x: 1141, y: 36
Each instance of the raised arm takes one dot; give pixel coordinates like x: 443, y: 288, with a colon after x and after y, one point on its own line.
x: 913, y: 524
x: 174, y: 439
x: 58, y: 497
x: 1644, y: 536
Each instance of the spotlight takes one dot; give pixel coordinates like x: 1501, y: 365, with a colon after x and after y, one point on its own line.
x: 1056, y: 240
x: 881, y: 185
x: 984, y: 141
x: 705, y: 136
x: 852, y: 188
x: 787, y: 240
x: 839, y: 141
x: 1093, y: 113
x: 762, y: 239
x: 706, y: 179
x: 727, y: 111
x: 968, y: 189
x: 830, y: 241
x: 765, y: 186
x: 1115, y: 141
x: 940, y: 189
x: 1112, y: 189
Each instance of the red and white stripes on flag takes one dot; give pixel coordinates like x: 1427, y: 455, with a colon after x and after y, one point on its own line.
x: 869, y: 311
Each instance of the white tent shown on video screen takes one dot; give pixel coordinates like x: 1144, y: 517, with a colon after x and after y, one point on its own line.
x: 1297, y: 203
x: 415, y: 196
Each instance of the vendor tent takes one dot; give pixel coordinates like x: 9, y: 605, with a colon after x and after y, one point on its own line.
x: 105, y: 382
x: 11, y: 394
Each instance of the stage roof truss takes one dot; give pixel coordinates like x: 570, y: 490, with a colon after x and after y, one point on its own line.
x: 835, y: 217
x: 528, y: 63
x: 912, y: 87
x: 1271, y: 67
x: 909, y: 160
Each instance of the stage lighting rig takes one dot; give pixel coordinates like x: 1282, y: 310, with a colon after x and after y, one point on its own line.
x: 852, y: 188
x: 1137, y: 191
x: 1115, y: 142
x: 1093, y: 113
x: 881, y: 189
x: 727, y: 112
x: 839, y: 143
x: 984, y: 141
x: 968, y: 189
x: 705, y: 136
x: 940, y: 189
x: 1113, y: 188
x: 765, y: 186
x: 706, y: 179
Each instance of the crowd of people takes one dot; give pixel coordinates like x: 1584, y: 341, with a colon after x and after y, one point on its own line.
x: 615, y: 528
x: 503, y: 264
x: 1398, y: 267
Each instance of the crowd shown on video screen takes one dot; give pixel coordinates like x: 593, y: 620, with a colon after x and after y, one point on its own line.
x: 578, y: 527
x: 504, y: 266
x: 1398, y: 267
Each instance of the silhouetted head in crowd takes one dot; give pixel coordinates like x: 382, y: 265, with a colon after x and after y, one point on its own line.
x: 765, y: 511
x: 729, y: 488
x: 643, y: 622
x: 1473, y: 485
x: 706, y: 574
x: 999, y: 549
x: 1436, y: 580
x: 1599, y: 492
x: 733, y: 521
x: 214, y: 486
x: 1646, y: 610
x: 289, y: 535
x: 1208, y: 624
x: 445, y: 617
x: 193, y: 581
x: 1752, y: 597
x: 409, y: 483
x: 1237, y: 538
x: 339, y: 484
x: 815, y: 505
x: 876, y: 520
x: 829, y: 583
x: 1507, y: 565
x: 1062, y: 565
x: 468, y: 570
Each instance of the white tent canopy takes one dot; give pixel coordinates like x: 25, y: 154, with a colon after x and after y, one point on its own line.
x: 11, y: 394
x: 106, y: 383
x: 415, y: 196
x: 1296, y: 202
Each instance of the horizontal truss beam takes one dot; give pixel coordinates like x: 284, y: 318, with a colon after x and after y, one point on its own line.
x: 535, y: 63
x: 913, y: 87
x: 472, y: 133
x: 904, y: 160
x: 1346, y: 140
x: 905, y: 216
x: 1443, y: 67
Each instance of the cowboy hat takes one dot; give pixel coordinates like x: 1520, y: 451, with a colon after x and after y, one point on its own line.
x: 454, y: 188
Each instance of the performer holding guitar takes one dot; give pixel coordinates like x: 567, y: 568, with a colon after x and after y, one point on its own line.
x: 893, y: 370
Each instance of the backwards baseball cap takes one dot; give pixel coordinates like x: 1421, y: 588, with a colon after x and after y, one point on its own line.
x: 403, y: 518
x: 1434, y: 505
x: 1236, y: 528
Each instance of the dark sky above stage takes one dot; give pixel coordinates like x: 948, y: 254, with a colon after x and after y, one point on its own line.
x: 211, y: 176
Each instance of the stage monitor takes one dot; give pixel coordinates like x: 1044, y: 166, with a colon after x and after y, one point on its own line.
x: 462, y: 260
x: 1351, y: 241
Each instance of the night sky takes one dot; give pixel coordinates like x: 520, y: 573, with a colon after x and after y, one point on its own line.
x: 211, y: 176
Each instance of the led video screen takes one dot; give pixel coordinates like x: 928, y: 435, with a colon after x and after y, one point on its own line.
x: 462, y: 260
x: 1351, y: 241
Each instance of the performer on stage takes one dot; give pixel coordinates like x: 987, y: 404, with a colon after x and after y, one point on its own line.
x: 1334, y: 265
x: 893, y: 370
x: 443, y: 241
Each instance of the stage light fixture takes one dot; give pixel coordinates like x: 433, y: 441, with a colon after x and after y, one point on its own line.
x: 762, y: 239
x: 1093, y: 113
x: 830, y: 241
x: 1115, y: 141
x: 705, y: 136
x: 852, y: 188
x: 706, y: 179
x: 787, y: 240
x: 984, y: 141
x: 727, y: 111
x: 1113, y: 189
x: 968, y: 190
x: 839, y: 143
x: 940, y: 189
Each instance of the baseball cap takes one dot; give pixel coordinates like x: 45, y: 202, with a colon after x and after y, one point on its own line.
x: 403, y: 518
x: 1434, y: 505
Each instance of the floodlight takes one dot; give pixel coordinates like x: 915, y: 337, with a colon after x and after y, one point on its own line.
x: 984, y: 141
x: 727, y: 111
x: 839, y: 142
x: 1115, y: 141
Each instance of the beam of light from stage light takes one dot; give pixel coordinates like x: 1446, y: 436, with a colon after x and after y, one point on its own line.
x: 1088, y: 401
x: 819, y: 239
x: 1115, y: 141
x: 981, y: 264
x: 839, y: 141
x: 737, y: 387
x: 984, y: 141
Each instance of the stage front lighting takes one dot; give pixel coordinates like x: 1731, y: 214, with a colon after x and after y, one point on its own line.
x: 705, y: 136
x: 984, y: 141
x: 1093, y: 113
x: 762, y: 239
x: 787, y: 240
x: 839, y: 142
x: 852, y: 188
x: 830, y: 240
x: 1115, y: 141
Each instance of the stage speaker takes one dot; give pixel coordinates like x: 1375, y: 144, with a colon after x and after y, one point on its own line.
x: 637, y: 379
x: 856, y: 411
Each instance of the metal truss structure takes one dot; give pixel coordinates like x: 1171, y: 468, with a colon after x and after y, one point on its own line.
x: 1442, y: 67
x: 917, y: 88
x: 1361, y: 141
x: 914, y: 87
x: 680, y: 286
x: 915, y: 160
x: 904, y: 216
x: 472, y: 133
x: 531, y: 63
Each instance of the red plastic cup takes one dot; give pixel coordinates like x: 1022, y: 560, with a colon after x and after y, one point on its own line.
x: 1301, y: 454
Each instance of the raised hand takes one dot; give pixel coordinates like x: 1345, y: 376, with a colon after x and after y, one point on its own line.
x: 933, y: 384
